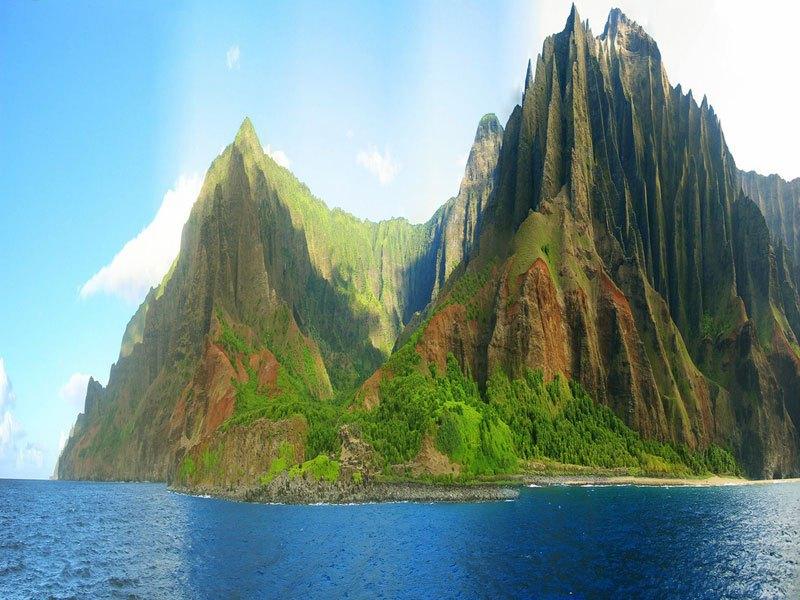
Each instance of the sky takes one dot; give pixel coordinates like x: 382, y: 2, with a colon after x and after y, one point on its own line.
x: 111, y: 112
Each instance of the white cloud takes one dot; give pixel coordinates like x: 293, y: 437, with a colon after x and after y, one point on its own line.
x: 6, y: 393
x: 74, y: 390
x: 380, y: 165
x: 9, y: 426
x: 350, y: 134
x: 143, y: 261
x: 18, y: 457
x: 279, y: 156
x: 232, y: 57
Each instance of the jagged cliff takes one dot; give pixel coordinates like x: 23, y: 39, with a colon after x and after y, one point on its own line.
x: 779, y: 201
x: 619, y: 249
x: 603, y: 235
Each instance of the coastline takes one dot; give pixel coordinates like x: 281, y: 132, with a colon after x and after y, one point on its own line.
x: 623, y: 480
x: 284, y: 490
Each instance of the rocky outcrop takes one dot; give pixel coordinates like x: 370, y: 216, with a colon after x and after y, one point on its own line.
x: 303, y: 490
x: 457, y: 222
x: 779, y: 201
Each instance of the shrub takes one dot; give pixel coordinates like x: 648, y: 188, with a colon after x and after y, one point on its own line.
x: 319, y: 468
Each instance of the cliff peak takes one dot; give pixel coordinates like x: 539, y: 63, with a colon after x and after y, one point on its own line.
x: 626, y: 32
x: 573, y: 20
x: 246, y: 137
x: 488, y: 126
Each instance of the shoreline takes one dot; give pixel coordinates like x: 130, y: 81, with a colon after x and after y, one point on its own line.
x: 300, y: 491
x: 624, y: 480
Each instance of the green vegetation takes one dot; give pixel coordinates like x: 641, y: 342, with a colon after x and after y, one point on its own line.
x: 292, y: 400
x: 559, y: 420
x: 209, y: 460
x: 711, y: 327
x: 521, y: 419
x: 318, y: 468
x: 539, y: 236
x: 482, y: 445
x: 487, y: 434
x: 466, y: 290
x: 321, y: 467
x: 187, y: 469
x: 192, y: 469
x: 281, y: 464
x: 232, y: 342
x: 293, y: 397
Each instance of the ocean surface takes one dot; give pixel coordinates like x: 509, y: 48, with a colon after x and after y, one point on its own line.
x: 65, y: 539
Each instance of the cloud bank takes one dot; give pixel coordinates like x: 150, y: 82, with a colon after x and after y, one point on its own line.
x: 14, y: 450
x: 143, y: 261
x: 9, y: 426
x: 74, y: 390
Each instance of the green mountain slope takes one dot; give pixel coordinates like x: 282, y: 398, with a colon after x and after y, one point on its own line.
x: 271, y: 286
x: 601, y: 291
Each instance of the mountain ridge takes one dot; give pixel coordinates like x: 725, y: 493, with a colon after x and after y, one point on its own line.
x: 285, y: 284
x: 602, y: 236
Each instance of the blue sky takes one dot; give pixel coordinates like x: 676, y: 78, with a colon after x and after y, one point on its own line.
x: 107, y: 106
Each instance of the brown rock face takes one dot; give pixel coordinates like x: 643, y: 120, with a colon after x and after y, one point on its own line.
x: 449, y: 331
x: 430, y: 461
x: 530, y: 327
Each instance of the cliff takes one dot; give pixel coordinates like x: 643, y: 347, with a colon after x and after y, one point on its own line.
x: 601, y: 291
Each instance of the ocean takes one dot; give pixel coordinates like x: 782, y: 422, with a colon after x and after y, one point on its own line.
x: 80, y: 539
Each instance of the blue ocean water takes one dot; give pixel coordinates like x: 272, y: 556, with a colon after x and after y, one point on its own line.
x: 65, y: 539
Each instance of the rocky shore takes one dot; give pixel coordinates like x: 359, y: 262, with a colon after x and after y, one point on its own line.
x: 301, y: 490
x: 579, y: 480
x: 304, y: 490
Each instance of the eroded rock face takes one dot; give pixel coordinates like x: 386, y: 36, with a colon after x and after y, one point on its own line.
x: 459, y: 220
x: 237, y: 456
x: 530, y: 326
x: 356, y: 456
x: 630, y: 259
x: 779, y: 201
